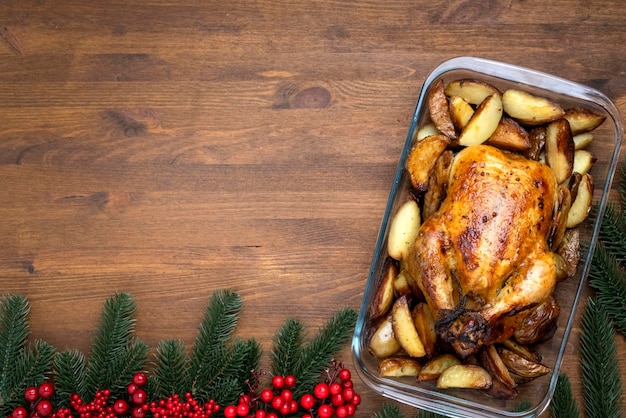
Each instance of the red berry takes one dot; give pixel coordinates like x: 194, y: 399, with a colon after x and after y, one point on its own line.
x: 307, y: 416
x: 356, y: 399
x: 267, y: 395
x: 277, y: 402
x: 286, y: 395
x: 140, y: 378
x: 325, y: 411
x: 341, y: 412
x: 334, y: 388
x: 345, y: 375
x: 46, y: 390
x: 284, y: 410
x: 31, y: 394
x: 230, y: 411
x: 244, y: 399
x: 120, y: 407
x: 138, y: 412
x: 351, y: 409
x: 293, y: 406
x: 139, y: 397
x: 307, y: 401
x: 290, y: 381
x: 19, y: 412
x: 337, y: 399
x: 260, y: 414
x: 278, y: 382
x: 243, y: 409
x: 272, y: 415
x: 131, y: 388
x: 44, y: 408
x: 347, y: 384
x: 321, y: 391
x: 348, y: 394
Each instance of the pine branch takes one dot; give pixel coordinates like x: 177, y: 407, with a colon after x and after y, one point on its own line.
x: 13, y: 334
x: 69, y: 370
x: 609, y: 280
x: 113, y: 346
x: 613, y: 231
x: 323, y: 348
x: 287, y: 344
x: 132, y: 359
x: 563, y: 404
x: 170, y: 371
x: 210, y: 351
x: 602, y: 388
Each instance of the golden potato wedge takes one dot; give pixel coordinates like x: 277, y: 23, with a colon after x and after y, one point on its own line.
x: 537, y: 140
x: 434, y: 367
x: 425, y: 326
x: 437, y: 184
x: 398, y: 367
x: 383, y: 342
x: 569, y: 251
x: 403, y: 230
x: 499, y: 390
x: 427, y: 130
x: 560, y: 149
x: 529, y: 109
x: 423, y: 157
x: 384, y: 296
x: 470, y: 90
x: 521, y: 366
x: 559, y: 219
x: 581, y: 206
x: 491, y: 361
x: 460, y: 111
x: 510, y: 135
x: 583, y: 120
x: 560, y: 267
x: 404, y: 328
x: 520, y: 350
x: 539, y: 323
x: 483, y: 122
x: 465, y: 376
x: 583, y: 161
x: 439, y: 110
x: 401, y: 285
x: 583, y: 140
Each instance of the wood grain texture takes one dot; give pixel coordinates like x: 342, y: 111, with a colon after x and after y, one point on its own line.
x: 172, y: 148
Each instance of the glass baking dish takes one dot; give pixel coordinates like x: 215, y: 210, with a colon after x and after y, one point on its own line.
x: 534, y: 396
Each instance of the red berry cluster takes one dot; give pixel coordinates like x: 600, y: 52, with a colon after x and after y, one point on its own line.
x: 40, y: 406
x: 335, y: 397
x: 173, y: 407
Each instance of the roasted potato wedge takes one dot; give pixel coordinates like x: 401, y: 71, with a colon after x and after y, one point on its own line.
x: 483, y: 122
x: 521, y: 350
x: 529, y: 109
x: 582, y: 141
x: 423, y: 157
x: 560, y: 149
x: 561, y: 211
x: 439, y: 110
x: 383, y: 299
x: 404, y: 329
x: 539, y: 324
x: 491, y: 361
x: 583, y: 161
x: 509, y: 135
x: 583, y: 120
x: 425, y: 326
x: 569, y: 251
x: 434, y: 367
x: 537, y: 141
x: 427, y: 130
x: 499, y: 390
x: 383, y: 342
x: 470, y: 90
x: 401, y: 286
x: 581, y: 206
x: 521, y: 366
x: 460, y: 111
x: 397, y: 366
x: 403, y: 230
x: 438, y: 184
x: 464, y: 376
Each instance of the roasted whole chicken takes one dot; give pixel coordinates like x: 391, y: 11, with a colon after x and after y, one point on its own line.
x: 484, y: 256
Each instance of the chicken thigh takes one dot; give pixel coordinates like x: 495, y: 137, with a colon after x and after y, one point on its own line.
x: 484, y: 255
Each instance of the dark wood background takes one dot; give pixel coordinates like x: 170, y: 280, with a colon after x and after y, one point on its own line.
x: 172, y: 148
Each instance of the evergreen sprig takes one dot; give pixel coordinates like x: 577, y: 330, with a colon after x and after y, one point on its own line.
x: 305, y: 361
x: 170, y: 370
x: 602, y: 389
x: 69, y: 370
x: 563, y: 404
x: 21, y: 365
x: 608, y: 279
x: 220, y: 370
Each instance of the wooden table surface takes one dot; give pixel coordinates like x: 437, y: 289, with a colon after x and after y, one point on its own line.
x: 172, y: 148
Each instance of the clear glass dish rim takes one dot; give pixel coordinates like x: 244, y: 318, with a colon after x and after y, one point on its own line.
x: 441, y: 402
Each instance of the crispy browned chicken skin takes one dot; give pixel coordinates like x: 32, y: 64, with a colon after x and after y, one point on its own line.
x: 484, y: 254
